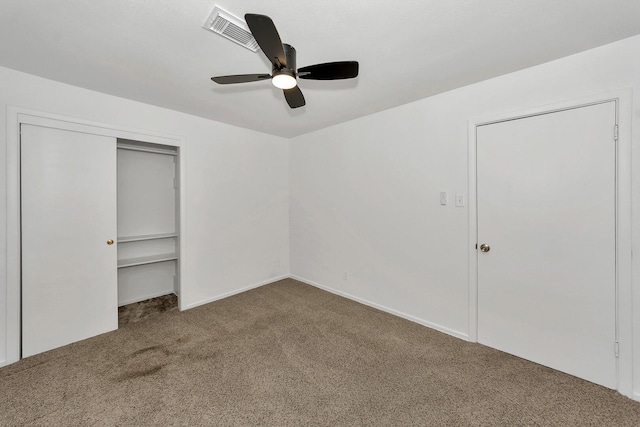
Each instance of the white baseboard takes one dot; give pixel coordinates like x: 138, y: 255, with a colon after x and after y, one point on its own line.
x: 385, y: 309
x: 235, y: 292
x: 414, y: 319
x: 3, y: 363
x: 636, y: 396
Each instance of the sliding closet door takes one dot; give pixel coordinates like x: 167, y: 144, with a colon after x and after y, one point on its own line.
x: 69, y: 261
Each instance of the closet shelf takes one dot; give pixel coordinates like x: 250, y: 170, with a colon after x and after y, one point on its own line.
x: 131, y: 262
x: 146, y: 237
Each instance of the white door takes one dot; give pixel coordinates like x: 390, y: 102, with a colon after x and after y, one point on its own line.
x: 546, y: 209
x: 69, y: 276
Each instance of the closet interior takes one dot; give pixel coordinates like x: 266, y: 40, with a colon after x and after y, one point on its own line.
x: 148, y: 221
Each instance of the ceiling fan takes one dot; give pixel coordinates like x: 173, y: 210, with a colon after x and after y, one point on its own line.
x: 283, y: 60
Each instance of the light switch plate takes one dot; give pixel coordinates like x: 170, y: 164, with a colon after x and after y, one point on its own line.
x: 443, y: 198
x: 459, y: 200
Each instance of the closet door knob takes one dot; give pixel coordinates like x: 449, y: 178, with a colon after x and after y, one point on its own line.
x: 109, y: 242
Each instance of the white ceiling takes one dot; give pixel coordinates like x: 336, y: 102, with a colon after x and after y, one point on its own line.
x: 156, y: 51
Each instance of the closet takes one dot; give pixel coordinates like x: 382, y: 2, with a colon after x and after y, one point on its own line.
x: 147, y: 221
x: 99, y: 226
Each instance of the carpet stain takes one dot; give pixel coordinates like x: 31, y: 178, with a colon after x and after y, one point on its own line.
x: 183, y: 340
x: 139, y: 374
x: 146, y: 309
x: 159, y: 348
x: 202, y: 356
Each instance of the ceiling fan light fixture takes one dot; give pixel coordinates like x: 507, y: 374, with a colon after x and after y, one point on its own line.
x: 284, y: 79
x: 282, y: 56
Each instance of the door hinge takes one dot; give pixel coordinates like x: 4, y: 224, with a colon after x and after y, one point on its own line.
x: 616, y: 348
x: 615, y: 132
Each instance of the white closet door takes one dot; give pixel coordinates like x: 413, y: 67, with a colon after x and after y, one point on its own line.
x: 69, y: 276
x: 546, y: 208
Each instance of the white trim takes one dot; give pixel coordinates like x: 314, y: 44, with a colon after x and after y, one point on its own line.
x: 182, y: 220
x: 57, y: 121
x: 472, y: 240
x: 12, y: 344
x: 383, y: 308
x: 16, y: 116
x: 625, y: 308
x: 237, y: 291
x: 624, y: 303
x: 128, y: 147
x: 636, y: 396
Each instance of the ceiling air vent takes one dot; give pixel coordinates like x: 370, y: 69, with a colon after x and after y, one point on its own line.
x: 231, y: 27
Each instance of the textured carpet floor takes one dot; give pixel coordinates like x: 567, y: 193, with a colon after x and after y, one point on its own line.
x: 288, y: 354
x: 146, y: 309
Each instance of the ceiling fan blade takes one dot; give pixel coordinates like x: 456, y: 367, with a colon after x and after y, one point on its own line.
x: 294, y: 97
x: 330, y: 71
x: 240, y: 78
x: 265, y: 33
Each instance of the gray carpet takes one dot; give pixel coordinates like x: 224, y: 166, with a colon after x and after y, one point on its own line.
x: 288, y: 354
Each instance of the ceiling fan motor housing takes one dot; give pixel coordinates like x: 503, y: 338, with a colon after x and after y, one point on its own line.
x: 290, y: 57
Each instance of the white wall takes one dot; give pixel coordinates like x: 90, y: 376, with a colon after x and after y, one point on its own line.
x: 236, y: 187
x: 364, y: 194
x: 361, y: 197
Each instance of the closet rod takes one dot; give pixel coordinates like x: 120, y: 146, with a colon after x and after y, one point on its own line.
x: 147, y: 150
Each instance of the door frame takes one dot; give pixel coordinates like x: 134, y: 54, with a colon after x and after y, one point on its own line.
x: 624, y: 304
x: 16, y: 116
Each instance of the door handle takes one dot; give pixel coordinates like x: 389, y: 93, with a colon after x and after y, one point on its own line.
x: 109, y: 242
x: 485, y: 248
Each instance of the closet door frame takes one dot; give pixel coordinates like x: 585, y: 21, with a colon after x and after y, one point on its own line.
x: 16, y: 116
x: 624, y: 300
